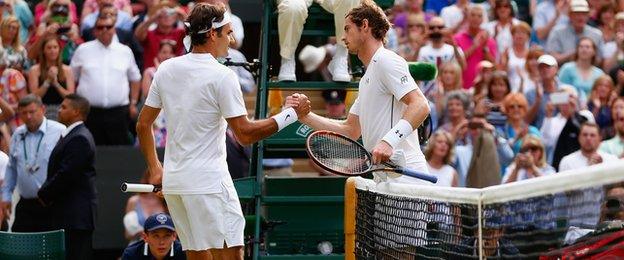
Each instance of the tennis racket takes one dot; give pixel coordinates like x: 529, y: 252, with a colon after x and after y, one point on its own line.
x: 339, y: 154
x: 134, y: 187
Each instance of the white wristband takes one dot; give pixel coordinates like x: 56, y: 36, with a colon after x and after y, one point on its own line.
x: 285, y: 118
x: 400, y: 131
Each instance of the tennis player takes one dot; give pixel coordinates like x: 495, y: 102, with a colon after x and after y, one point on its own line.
x: 198, y: 95
x: 389, y: 106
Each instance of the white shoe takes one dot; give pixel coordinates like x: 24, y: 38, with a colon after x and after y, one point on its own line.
x: 339, y: 65
x: 287, y: 70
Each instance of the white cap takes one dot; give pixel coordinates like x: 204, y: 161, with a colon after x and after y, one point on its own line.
x: 311, y: 57
x: 579, y: 6
x: 547, y: 59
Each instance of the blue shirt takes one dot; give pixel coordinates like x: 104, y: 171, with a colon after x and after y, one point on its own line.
x: 569, y: 74
x: 28, y: 169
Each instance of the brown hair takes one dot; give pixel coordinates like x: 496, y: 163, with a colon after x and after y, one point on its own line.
x: 534, y: 53
x: 371, y: 12
x: 521, y: 27
x: 515, y: 98
x: 593, y: 44
x: 531, y: 140
x: 498, y: 75
x: 449, y: 141
x: 16, y: 44
x: 498, y: 3
x: 200, y: 18
x: 604, y: 79
x: 43, y: 62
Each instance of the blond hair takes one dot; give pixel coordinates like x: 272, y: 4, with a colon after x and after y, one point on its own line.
x: 449, y: 141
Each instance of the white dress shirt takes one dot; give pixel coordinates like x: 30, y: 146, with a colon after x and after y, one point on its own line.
x: 104, y: 73
x: 70, y: 128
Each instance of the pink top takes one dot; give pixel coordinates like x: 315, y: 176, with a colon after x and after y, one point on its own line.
x: 464, y: 41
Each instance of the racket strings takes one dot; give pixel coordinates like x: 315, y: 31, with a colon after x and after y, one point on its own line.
x: 340, y: 154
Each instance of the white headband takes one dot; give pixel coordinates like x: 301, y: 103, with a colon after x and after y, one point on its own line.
x: 215, y: 25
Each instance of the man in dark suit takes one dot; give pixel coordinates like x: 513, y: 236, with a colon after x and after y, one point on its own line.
x: 69, y: 189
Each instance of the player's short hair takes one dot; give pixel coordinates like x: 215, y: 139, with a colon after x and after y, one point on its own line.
x: 377, y: 20
x: 201, y: 18
x: 79, y: 103
x: 29, y: 99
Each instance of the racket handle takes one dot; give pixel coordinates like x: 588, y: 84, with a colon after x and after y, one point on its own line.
x: 133, y: 187
x: 415, y: 174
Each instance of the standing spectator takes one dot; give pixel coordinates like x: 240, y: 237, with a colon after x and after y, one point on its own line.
x: 615, y: 145
x: 441, y: 48
x: 42, y: 11
x: 588, y: 154
x: 513, y: 58
x: 69, y: 189
x: 123, y: 20
x: 606, y: 24
x: 582, y: 72
x: 599, y: 103
x: 439, y: 153
x: 159, y: 241
x: 515, y: 129
x: 416, y: 37
x: 500, y: 27
x: 90, y: 6
x: 50, y: 79
x: 476, y: 44
x: 165, y: 20
x: 548, y: 15
x: 13, y: 53
x: 57, y: 23
x: 562, y: 41
x: 109, y: 78
x: 529, y: 163
x: 30, y: 149
x: 21, y: 10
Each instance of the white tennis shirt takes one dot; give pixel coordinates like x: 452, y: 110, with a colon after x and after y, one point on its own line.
x: 196, y: 94
x: 379, y: 107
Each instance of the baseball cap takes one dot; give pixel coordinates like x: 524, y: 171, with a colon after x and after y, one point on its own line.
x: 158, y: 221
x: 547, y: 59
x: 579, y: 6
x: 334, y: 96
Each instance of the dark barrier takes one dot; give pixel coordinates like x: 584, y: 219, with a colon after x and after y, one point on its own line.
x: 114, y: 165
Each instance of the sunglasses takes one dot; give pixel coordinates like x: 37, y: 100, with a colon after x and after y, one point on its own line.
x: 514, y: 106
x: 431, y: 27
x: 104, y: 27
x: 529, y: 148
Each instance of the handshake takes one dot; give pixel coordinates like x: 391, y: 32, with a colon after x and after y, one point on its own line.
x: 300, y: 103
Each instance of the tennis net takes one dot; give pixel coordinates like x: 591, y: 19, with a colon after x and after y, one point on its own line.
x: 543, y: 218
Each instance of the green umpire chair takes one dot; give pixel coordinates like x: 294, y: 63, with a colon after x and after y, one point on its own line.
x: 29, y: 246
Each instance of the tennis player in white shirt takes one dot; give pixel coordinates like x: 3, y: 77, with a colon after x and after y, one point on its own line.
x: 389, y: 106
x: 200, y: 97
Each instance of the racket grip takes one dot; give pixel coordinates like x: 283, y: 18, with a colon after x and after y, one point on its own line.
x: 133, y: 187
x: 415, y: 174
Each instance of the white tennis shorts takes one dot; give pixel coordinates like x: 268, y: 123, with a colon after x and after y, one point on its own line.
x: 206, y: 221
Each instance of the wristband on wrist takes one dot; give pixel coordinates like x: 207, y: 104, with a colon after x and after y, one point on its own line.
x: 400, y: 131
x: 285, y: 118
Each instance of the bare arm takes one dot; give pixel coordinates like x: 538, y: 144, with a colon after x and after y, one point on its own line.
x: 542, y: 32
x: 7, y: 110
x: 141, y: 31
x: 69, y: 80
x: 250, y: 131
x: 33, y: 81
x: 147, y: 144
x: 417, y: 108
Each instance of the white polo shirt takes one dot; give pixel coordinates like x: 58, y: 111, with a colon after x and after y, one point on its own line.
x: 379, y: 107
x: 577, y: 160
x: 196, y: 94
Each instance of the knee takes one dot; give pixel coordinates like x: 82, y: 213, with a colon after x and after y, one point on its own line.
x: 292, y: 8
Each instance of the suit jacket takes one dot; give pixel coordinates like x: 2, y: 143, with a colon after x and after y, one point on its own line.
x: 69, y: 189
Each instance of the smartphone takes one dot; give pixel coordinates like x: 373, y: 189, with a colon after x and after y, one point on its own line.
x: 559, y: 98
x: 63, y: 30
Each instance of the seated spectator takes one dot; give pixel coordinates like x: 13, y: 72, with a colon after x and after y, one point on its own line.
x: 166, y: 51
x: 500, y: 27
x: 439, y: 153
x: 606, y: 24
x: 123, y: 22
x: 615, y: 145
x: 548, y: 15
x: 599, y: 103
x: 159, y: 241
x: 529, y: 163
x: 165, y: 20
x: 529, y: 75
x: 485, y: 70
x: 562, y: 41
x: 515, y: 129
x: 42, y: 7
x: 513, y: 58
x: 13, y: 52
x: 457, y: 105
x: 90, y: 6
x: 581, y: 72
x: 415, y: 37
x: 449, y: 79
x: 588, y: 154
x: 50, y: 79
x: 57, y: 23
x: 335, y: 106
x: 497, y: 90
x: 476, y: 44
x: 21, y: 10
x: 441, y: 47
x: 138, y: 208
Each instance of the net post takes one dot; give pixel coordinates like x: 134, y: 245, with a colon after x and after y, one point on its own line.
x: 350, y: 203
x: 480, y: 226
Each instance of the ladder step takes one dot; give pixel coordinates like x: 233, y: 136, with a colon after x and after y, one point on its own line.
x: 312, y: 85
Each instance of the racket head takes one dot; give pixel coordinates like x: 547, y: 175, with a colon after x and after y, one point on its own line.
x: 338, y: 154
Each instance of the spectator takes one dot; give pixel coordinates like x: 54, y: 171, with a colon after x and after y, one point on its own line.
x: 335, y: 106
x: 90, y: 6
x: 500, y: 27
x: 485, y: 70
x: 159, y: 241
x: 456, y: 15
x: 449, y: 79
x: 581, y: 72
x: 12, y: 89
x: 138, y: 208
x: 123, y: 21
x: 476, y: 44
x: 493, y: 103
x: 435, y: 7
x: 165, y: 19
x: 439, y: 153
x: 615, y: 145
x: 402, y: 16
x: 516, y: 129
x: 21, y: 10
x: 513, y: 58
x: 290, y: 19
x: 494, y: 245
x: 606, y: 24
x: 600, y: 101
x: 528, y: 76
x: 13, y: 53
x: 457, y: 105
x: 245, y: 78
x: 416, y: 37
x: 112, y: 88
x: 529, y: 163
x: 50, y: 79
x: 526, y: 9
x: 588, y: 154
x: 42, y: 11
x: 539, y: 97
x: 28, y: 166
x: 548, y: 15
x: 57, y: 23
x: 4, y: 161
x: 562, y: 42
